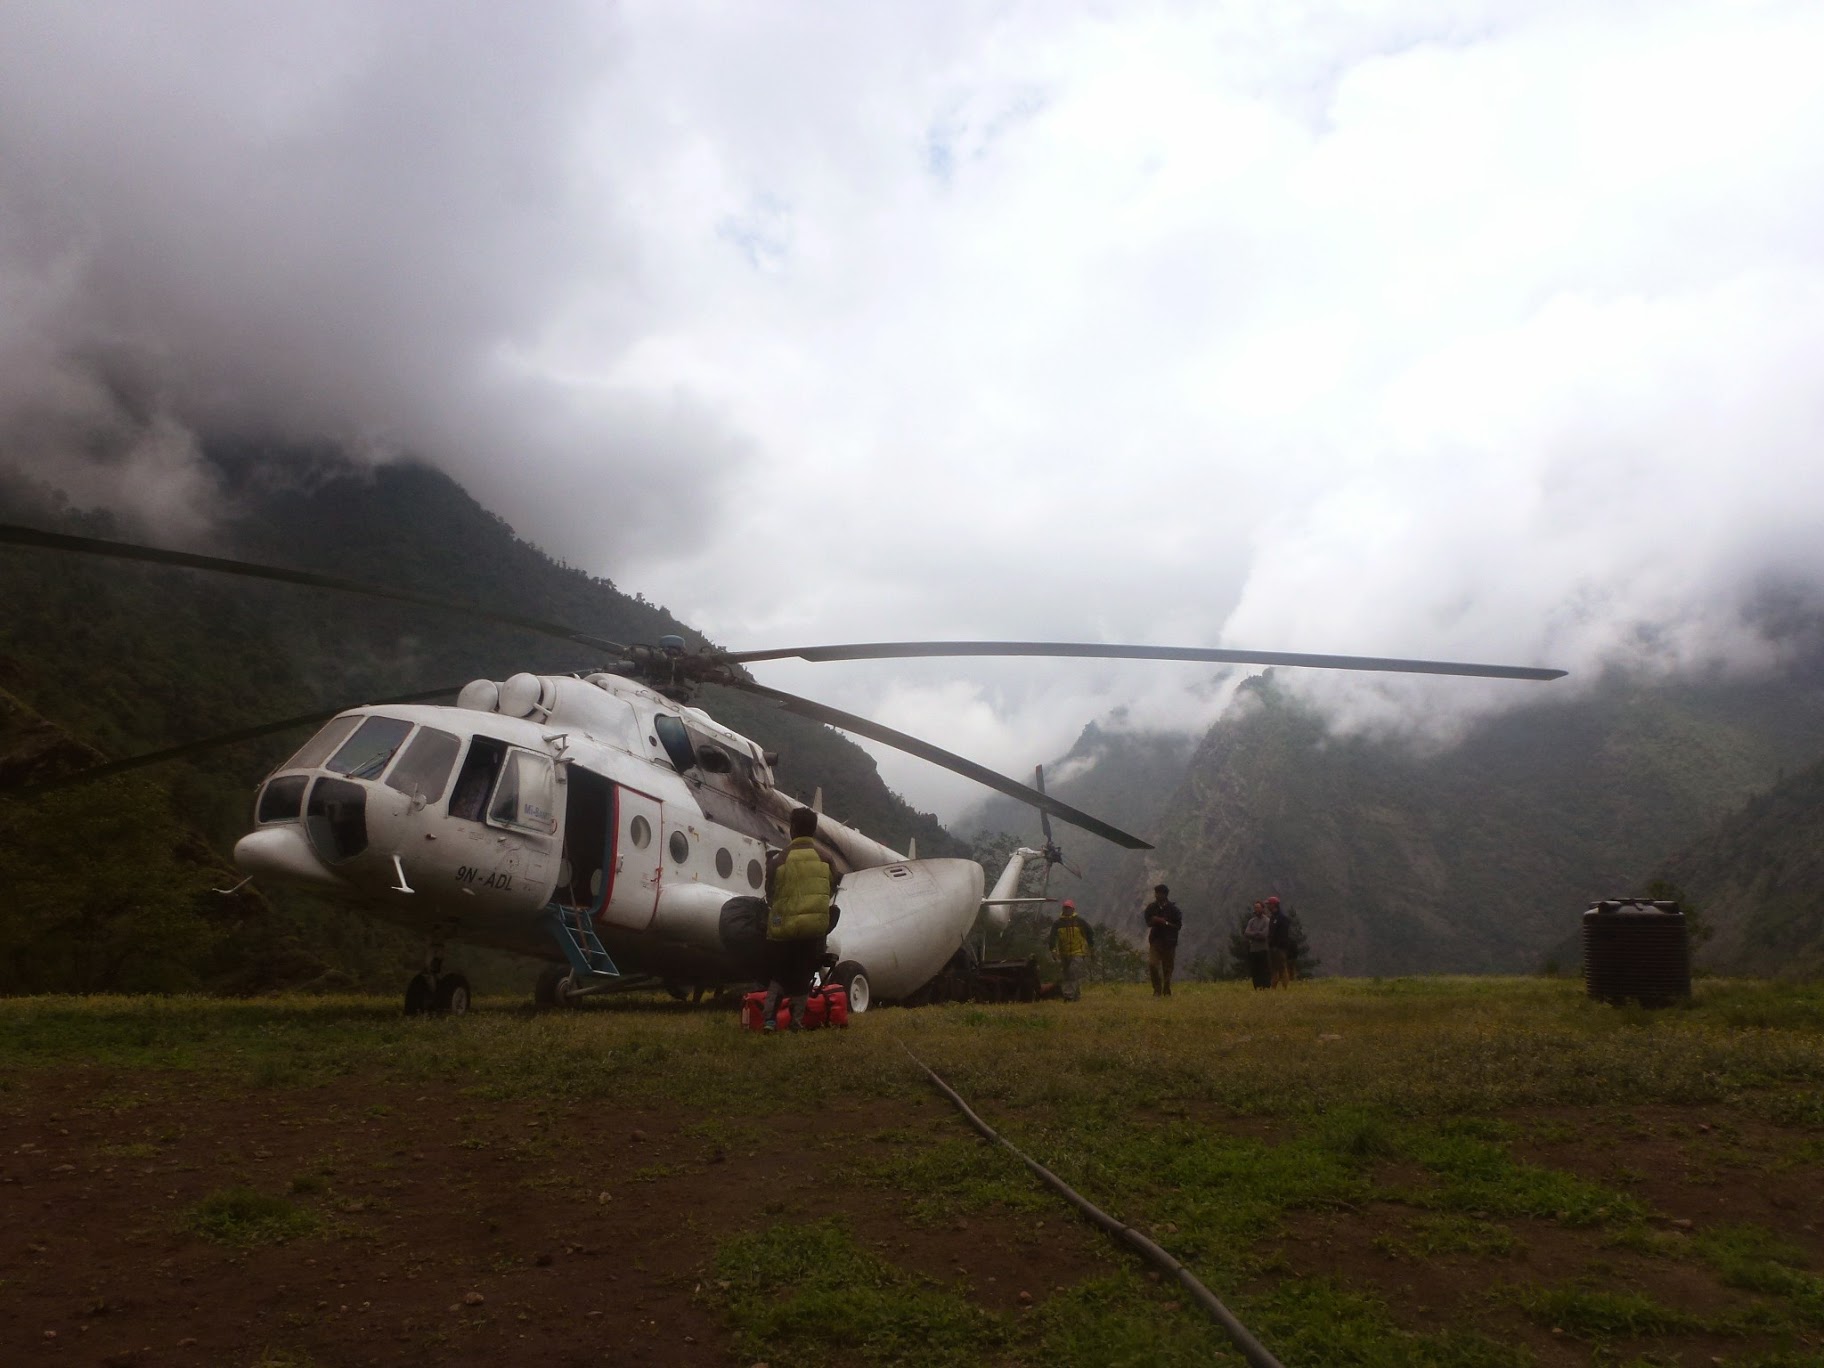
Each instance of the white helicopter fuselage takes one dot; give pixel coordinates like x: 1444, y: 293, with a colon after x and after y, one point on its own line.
x: 596, y: 801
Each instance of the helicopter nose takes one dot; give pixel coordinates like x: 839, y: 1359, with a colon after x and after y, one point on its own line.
x: 283, y: 852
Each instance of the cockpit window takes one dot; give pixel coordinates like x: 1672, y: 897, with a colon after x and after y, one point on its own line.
x: 713, y: 758
x: 315, y: 750
x: 282, y: 800
x: 526, y: 796
x: 365, y: 754
x: 425, y: 767
x: 676, y: 741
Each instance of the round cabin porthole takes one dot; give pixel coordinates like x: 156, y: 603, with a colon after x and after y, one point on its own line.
x: 755, y: 875
x: 725, y: 864
x: 640, y: 833
x: 680, y: 847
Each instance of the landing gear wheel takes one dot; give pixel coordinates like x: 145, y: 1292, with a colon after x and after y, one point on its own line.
x: 453, y: 995
x: 556, y: 987
x: 418, y: 995
x: 854, y: 980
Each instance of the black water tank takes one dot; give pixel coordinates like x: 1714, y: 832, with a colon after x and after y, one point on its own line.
x: 1636, y: 950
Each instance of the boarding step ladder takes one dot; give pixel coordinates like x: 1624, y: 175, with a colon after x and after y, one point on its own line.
x: 581, y: 946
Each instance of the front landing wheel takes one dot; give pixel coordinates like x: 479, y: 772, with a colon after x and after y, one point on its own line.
x: 419, y: 994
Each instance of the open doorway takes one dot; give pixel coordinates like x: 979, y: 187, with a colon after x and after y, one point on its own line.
x: 588, y: 810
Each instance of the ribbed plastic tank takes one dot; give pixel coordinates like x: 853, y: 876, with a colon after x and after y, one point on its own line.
x: 1636, y: 951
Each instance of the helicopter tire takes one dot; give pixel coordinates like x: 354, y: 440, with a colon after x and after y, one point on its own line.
x: 418, y: 995
x: 452, y: 995
x: 551, y: 991
x: 854, y: 981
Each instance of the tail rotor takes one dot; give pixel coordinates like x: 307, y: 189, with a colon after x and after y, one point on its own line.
x: 1054, y: 855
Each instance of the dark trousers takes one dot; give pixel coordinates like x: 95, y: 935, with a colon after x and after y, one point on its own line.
x: 1159, y: 958
x: 789, y: 966
x: 1260, y: 965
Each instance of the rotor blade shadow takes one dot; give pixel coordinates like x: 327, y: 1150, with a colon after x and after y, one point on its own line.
x: 98, y: 772
x: 93, y: 546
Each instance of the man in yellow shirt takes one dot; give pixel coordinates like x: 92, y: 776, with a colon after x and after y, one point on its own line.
x: 1072, y: 939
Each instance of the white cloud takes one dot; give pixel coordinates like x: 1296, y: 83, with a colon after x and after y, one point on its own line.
x: 1478, y: 331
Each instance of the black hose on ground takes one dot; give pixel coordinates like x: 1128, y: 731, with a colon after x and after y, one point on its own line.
x: 1251, y: 1348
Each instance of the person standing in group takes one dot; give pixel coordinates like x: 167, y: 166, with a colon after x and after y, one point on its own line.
x: 799, y: 886
x: 1279, y: 940
x: 1163, y: 922
x: 1071, y: 941
x: 1259, y: 931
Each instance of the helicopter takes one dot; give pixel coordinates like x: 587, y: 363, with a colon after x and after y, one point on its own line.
x: 604, y: 824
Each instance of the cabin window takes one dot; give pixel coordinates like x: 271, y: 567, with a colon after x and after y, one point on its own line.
x: 469, y: 801
x: 676, y: 741
x: 755, y: 874
x: 725, y: 863
x: 640, y: 833
x: 425, y: 767
x: 680, y: 847
x: 526, y: 796
x: 282, y: 798
x: 317, y: 749
x: 365, y: 754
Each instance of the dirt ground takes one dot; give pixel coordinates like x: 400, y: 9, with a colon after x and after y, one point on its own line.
x: 492, y: 1233
x: 529, y: 1231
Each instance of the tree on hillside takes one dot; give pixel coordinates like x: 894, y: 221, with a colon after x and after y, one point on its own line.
x: 1698, y: 929
x: 100, y: 894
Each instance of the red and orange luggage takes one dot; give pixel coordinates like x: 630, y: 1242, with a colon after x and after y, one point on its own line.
x: 824, y: 1007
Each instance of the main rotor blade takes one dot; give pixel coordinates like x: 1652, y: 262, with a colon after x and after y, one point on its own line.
x: 209, y: 743
x: 896, y: 650
x: 93, y: 546
x: 924, y: 750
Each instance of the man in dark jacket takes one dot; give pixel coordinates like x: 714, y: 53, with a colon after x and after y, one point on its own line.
x: 1163, y: 921
x: 1279, y: 939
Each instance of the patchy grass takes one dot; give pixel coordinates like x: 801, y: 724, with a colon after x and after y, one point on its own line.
x: 241, y: 1216
x: 1498, y: 1120
x: 810, y: 1294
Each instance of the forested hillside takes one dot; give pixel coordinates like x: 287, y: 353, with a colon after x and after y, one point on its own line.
x: 127, y: 658
x: 1482, y: 856
x: 1758, y: 878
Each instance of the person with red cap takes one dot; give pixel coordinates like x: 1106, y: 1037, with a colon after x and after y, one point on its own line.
x: 1279, y: 942
x: 1071, y: 940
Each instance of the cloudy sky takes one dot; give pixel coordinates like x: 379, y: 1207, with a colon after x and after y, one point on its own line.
x: 1472, y: 330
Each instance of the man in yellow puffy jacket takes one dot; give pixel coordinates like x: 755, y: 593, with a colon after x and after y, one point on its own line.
x: 1071, y: 941
x: 799, y: 886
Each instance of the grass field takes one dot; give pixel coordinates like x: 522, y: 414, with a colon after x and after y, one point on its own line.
x: 1432, y: 1171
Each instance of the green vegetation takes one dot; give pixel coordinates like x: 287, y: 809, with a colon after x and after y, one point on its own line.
x: 1314, y: 1156
x: 240, y: 1216
x: 812, y: 1295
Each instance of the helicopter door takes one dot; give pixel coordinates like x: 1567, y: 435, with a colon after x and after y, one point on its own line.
x: 633, y: 886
